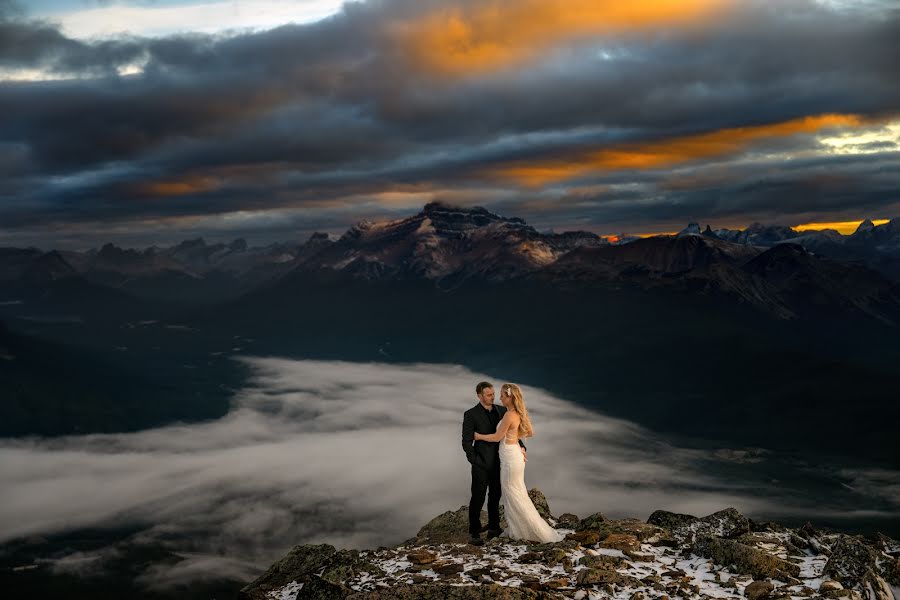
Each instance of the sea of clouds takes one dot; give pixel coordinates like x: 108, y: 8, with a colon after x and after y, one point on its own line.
x: 361, y: 455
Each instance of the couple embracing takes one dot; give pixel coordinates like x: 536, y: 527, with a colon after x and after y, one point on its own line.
x: 492, y: 439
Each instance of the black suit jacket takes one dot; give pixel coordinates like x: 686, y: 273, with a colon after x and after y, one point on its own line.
x: 480, y: 453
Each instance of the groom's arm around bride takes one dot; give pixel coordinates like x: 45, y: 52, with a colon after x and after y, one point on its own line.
x: 468, y: 439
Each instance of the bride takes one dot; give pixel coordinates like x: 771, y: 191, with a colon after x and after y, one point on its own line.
x: 522, y: 517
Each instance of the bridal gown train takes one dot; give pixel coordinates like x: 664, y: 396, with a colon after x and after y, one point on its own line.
x: 522, y: 518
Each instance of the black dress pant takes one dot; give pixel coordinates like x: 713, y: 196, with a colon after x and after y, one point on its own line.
x: 482, y: 481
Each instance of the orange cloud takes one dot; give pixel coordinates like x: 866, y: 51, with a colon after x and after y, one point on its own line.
x: 844, y: 227
x: 493, y: 34
x: 665, y: 153
x: 191, y: 185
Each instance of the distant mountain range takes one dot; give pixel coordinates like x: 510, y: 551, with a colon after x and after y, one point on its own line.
x: 783, y: 272
x: 749, y: 332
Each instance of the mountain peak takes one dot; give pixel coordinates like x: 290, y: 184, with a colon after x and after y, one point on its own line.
x: 319, y: 236
x: 691, y: 229
x: 708, y: 232
x: 194, y: 243
x: 49, y: 266
x: 476, y: 215
x: 113, y: 252
x: 238, y: 245
x: 866, y: 225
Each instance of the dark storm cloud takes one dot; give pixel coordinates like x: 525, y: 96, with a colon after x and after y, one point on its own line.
x: 846, y: 187
x: 318, y: 111
x: 35, y: 44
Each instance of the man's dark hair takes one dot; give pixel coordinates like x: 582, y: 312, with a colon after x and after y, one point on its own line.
x: 480, y: 387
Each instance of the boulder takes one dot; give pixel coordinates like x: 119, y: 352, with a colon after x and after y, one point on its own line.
x: 317, y: 566
x: 669, y: 520
x: 850, y: 559
x: 591, y: 576
x: 585, y: 538
x: 450, y: 527
x: 727, y: 523
x: 540, y: 503
x: 620, y: 541
x: 591, y: 522
x: 568, y: 520
x: 890, y: 570
x: 421, y: 557
x: 758, y: 589
x: 743, y: 558
x: 644, y: 532
x: 602, y: 561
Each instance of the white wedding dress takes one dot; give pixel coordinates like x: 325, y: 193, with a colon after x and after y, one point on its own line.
x: 523, y: 522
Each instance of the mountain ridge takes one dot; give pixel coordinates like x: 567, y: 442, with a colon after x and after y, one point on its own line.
x: 448, y: 245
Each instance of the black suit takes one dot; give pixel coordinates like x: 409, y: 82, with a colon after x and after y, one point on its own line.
x: 485, y: 460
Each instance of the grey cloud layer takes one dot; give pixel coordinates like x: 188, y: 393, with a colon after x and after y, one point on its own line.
x: 331, y: 108
x: 322, y: 452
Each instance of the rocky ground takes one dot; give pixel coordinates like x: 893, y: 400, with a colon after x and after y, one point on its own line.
x: 668, y: 556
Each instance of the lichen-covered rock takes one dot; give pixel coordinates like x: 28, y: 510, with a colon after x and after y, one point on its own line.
x: 432, y: 591
x: 421, y: 557
x: 644, y: 532
x: 876, y: 588
x: 639, y: 556
x: 450, y: 569
x: 726, y: 523
x: 620, y: 541
x: 585, y: 538
x: 744, y: 559
x: 553, y: 556
x: 766, y: 526
x: 669, y: 520
x: 602, y: 561
x: 531, y: 557
x: 890, y: 570
x: 850, y: 558
x: 319, y: 567
x: 591, y: 576
x: 540, y: 503
x: 758, y: 589
x: 344, y: 564
x: 859, y: 565
x: 568, y: 520
x: 591, y: 522
x: 450, y: 527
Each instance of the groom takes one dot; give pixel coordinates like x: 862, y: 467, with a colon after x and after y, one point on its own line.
x: 485, y: 459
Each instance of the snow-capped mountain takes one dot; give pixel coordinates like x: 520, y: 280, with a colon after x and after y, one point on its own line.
x: 444, y: 241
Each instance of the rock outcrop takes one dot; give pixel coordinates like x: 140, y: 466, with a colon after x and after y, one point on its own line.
x: 721, y: 555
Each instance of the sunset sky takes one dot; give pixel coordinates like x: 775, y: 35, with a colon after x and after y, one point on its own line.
x: 147, y: 122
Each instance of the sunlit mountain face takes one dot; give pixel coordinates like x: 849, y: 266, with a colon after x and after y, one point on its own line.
x: 255, y: 256
x: 145, y: 123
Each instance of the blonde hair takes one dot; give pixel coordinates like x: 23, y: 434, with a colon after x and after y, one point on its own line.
x: 518, y: 402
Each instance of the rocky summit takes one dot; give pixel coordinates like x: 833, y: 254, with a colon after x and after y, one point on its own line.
x: 668, y: 556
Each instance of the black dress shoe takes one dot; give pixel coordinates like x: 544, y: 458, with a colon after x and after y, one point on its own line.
x: 492, y: 533
x: 476, y: 540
